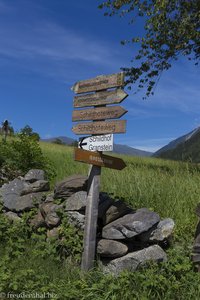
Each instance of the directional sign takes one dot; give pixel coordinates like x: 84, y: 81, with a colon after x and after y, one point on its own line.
x: 118, y: 126
x: 100, y: 113
x: 99, y: 83
x: 98, y: 159
x: 100, y: 98
x: 97, y: 143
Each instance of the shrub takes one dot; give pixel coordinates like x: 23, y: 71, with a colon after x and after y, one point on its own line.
x: 24, y: 154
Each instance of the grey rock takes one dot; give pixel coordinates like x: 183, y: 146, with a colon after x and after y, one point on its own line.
x: 132, y: 261
x: 49, y: 213
x: 163, y: 231
x: 130, y: 225
x: 37, y: 186
x: 49, y: 198
x: 76, y: 202
x: 24, y: 203
x: 12, y: 216
x: 53, y: 233
x: 70, y: 185
x: 110, y: 248
x: 34, y: 175
x: 13, y: 188
x: 76, y: 219
x: 37, y: 221
x: 118, y: 209
x: 104, y: 203
x: 12, y: 199
x: 52, y: 219
x: 49, y: 207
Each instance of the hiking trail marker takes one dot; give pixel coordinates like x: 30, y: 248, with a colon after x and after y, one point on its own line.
x: 97, y: 143
x: 101, y: 140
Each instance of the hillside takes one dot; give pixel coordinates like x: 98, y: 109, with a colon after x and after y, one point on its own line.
x: 185, y: 148
x: 170, y: 188
x: 117, y: 148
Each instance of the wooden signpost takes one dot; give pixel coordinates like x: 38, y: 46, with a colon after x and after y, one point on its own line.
x: 100, y: 98
x: 99, y: 159
x: 97, y: 143
x: 98, y: 128
x: 111, y: 112
x: 99, y: 83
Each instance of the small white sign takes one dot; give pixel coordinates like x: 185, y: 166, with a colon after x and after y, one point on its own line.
x: 97, y: 143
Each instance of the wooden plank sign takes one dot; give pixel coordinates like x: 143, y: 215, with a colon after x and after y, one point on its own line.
x: 101, y: 139
x: 97, y: 143
x: 103, y: 127
x: 111, y: 112
x: 100, y: 98
x: 99, y: 83
x: 98, y: 159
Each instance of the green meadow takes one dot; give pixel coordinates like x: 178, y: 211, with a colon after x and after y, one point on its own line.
x: 170, y: 188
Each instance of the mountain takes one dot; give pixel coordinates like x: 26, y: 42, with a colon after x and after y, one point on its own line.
x: 124, y: 149
x: 64, y: 139
x: 117, y: 148
x: 185, y: 148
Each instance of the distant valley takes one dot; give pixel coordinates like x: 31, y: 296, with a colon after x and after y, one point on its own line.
x: 184, y: 148
x: 118, y: 148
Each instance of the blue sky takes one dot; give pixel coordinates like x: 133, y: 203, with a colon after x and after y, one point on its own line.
x: 48, y: 45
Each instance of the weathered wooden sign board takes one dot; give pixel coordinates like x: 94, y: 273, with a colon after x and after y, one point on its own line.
x: 102, y: 127
x: 99, y: 159
x: 99, y: 83
x: 100, y: 98
x: 97, y: 143
x: 98, y: 128
x: 111, y: 112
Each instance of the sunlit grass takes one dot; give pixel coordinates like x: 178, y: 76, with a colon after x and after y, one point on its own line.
x: 170, y: 188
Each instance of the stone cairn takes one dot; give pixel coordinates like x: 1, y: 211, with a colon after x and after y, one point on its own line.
x: 126, y: 238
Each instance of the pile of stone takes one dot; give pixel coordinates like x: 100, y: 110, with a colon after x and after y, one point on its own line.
x: 126, y: 238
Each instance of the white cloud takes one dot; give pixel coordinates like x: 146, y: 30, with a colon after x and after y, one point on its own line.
x: 49, y: 41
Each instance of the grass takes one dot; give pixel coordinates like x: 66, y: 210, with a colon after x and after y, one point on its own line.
x: 170, y: 188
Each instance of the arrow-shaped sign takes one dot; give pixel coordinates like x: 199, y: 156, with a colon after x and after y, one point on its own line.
x: 82, y: 143
x: 99, y: 83
x: 118, y: 126
x: 100, y: 113
x: 98, y: 159
x: 97, y: 143
x: 100, y: 98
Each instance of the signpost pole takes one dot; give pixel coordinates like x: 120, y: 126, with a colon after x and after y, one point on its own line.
x: 91, y: 219
x: 99, y: 115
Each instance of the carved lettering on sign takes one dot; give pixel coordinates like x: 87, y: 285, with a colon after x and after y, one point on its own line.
x: 100, y: 127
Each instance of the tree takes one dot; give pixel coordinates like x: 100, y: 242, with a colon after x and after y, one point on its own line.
x: 171, y: 29
x: 27, y: 130
x: 58, y: 141
x: 6, y: 129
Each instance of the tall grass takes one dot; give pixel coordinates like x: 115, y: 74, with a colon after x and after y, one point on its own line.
x: 170, y: 188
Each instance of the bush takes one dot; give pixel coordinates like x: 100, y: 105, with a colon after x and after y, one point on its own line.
x: 24, y: 154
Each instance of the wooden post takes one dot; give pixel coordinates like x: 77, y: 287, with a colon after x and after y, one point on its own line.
x: 102, y: 96
x: 91, y: 219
